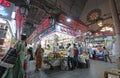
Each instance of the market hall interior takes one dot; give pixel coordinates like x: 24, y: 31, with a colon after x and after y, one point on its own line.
x: 59, y: 38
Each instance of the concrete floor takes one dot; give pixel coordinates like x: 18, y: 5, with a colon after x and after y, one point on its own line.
x: 96, y: 70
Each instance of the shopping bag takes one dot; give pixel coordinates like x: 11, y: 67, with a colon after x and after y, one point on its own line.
x: 25, y: 65
x: 9, y: 60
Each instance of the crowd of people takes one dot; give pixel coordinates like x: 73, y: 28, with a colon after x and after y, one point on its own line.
x: 24, y: 56
x: 104, y: 53
x: 73, y: 50
x: 72, y: 54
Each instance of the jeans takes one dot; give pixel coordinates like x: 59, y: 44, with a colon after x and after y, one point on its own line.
x: 76, y: 61
x: 107, y: 57
x: 70, y: 62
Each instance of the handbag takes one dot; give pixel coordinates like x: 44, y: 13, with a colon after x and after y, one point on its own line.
x: 9, y: 60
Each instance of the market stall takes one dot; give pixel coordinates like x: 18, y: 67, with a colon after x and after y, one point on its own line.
x: 7, y: 26
x: 54, y: 41
x: 97, y: 45
x: 5, y: 37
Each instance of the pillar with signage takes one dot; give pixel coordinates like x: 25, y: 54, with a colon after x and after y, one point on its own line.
x: 116, y: 20
x: 19, y: 23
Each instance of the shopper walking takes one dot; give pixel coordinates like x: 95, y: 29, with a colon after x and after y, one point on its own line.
x: 70, y: 57
x: 18, y: 70
x: 94, y: 54
x: 75, y: 52
x: 106, y: 54
x: 38, y: 57
x: 30, y: 50
x: 27, y: 61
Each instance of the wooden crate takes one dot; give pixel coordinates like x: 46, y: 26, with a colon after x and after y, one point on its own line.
x: 112, y: 74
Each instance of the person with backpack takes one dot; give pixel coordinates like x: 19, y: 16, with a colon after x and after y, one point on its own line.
x: 106, y: 55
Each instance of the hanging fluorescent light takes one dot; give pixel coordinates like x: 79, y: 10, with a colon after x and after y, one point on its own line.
x: 106, y: 29
x: 2, y: 20
x: 100, y: 22
x: 13, y: 15
x: 68, y: 20
x: 61, y: 24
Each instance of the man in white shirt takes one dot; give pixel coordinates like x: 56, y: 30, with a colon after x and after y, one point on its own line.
x: 70, y: 57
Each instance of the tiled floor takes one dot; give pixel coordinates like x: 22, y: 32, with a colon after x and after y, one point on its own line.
x: 40, y: 74
x: 95, y: 71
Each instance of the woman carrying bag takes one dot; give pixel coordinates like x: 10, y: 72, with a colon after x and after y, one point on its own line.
x: 38, y: 57
x: 18, y: 70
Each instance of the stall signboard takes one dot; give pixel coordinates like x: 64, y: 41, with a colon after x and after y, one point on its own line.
x: 66, y: 30
x: 6, y: 10
x: 49, y: 30
x: 57, y: 28
x: 5, y: 3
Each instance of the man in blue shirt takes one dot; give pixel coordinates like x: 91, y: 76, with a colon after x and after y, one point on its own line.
x: 61, y: 46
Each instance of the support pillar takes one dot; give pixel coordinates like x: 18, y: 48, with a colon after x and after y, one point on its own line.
x: 116, y: 21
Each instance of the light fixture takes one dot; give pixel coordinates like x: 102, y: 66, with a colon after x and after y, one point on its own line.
x: 100, y: 22
x: 61, y: 24
x: 68, y: 20
x: 106, y: 29
x: 13, y: 15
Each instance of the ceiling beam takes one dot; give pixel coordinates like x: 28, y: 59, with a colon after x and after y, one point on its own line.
x: 42, y: 3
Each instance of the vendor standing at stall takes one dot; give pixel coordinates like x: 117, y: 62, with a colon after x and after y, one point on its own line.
x: 80, y: 49
x: 75, y: 52
x: 70, y: 57
x: 61, y: 46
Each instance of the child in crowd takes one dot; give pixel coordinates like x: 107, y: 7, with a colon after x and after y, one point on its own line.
x: 27, y: 60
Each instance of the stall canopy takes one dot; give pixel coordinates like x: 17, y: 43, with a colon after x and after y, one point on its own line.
x: 45, y: 25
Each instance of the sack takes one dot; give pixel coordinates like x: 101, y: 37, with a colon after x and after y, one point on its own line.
x: 9, y: 60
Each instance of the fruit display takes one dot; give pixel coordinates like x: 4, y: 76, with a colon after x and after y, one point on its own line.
x: 50, y: 56
x: 85, y: 55
x: 53, y: 55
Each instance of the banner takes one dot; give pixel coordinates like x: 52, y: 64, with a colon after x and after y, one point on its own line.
x: 49, y: 30
x: 66, y: 30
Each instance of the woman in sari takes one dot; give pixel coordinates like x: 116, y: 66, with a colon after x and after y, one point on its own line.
x: 38, y: 57
x: 18, y: 70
